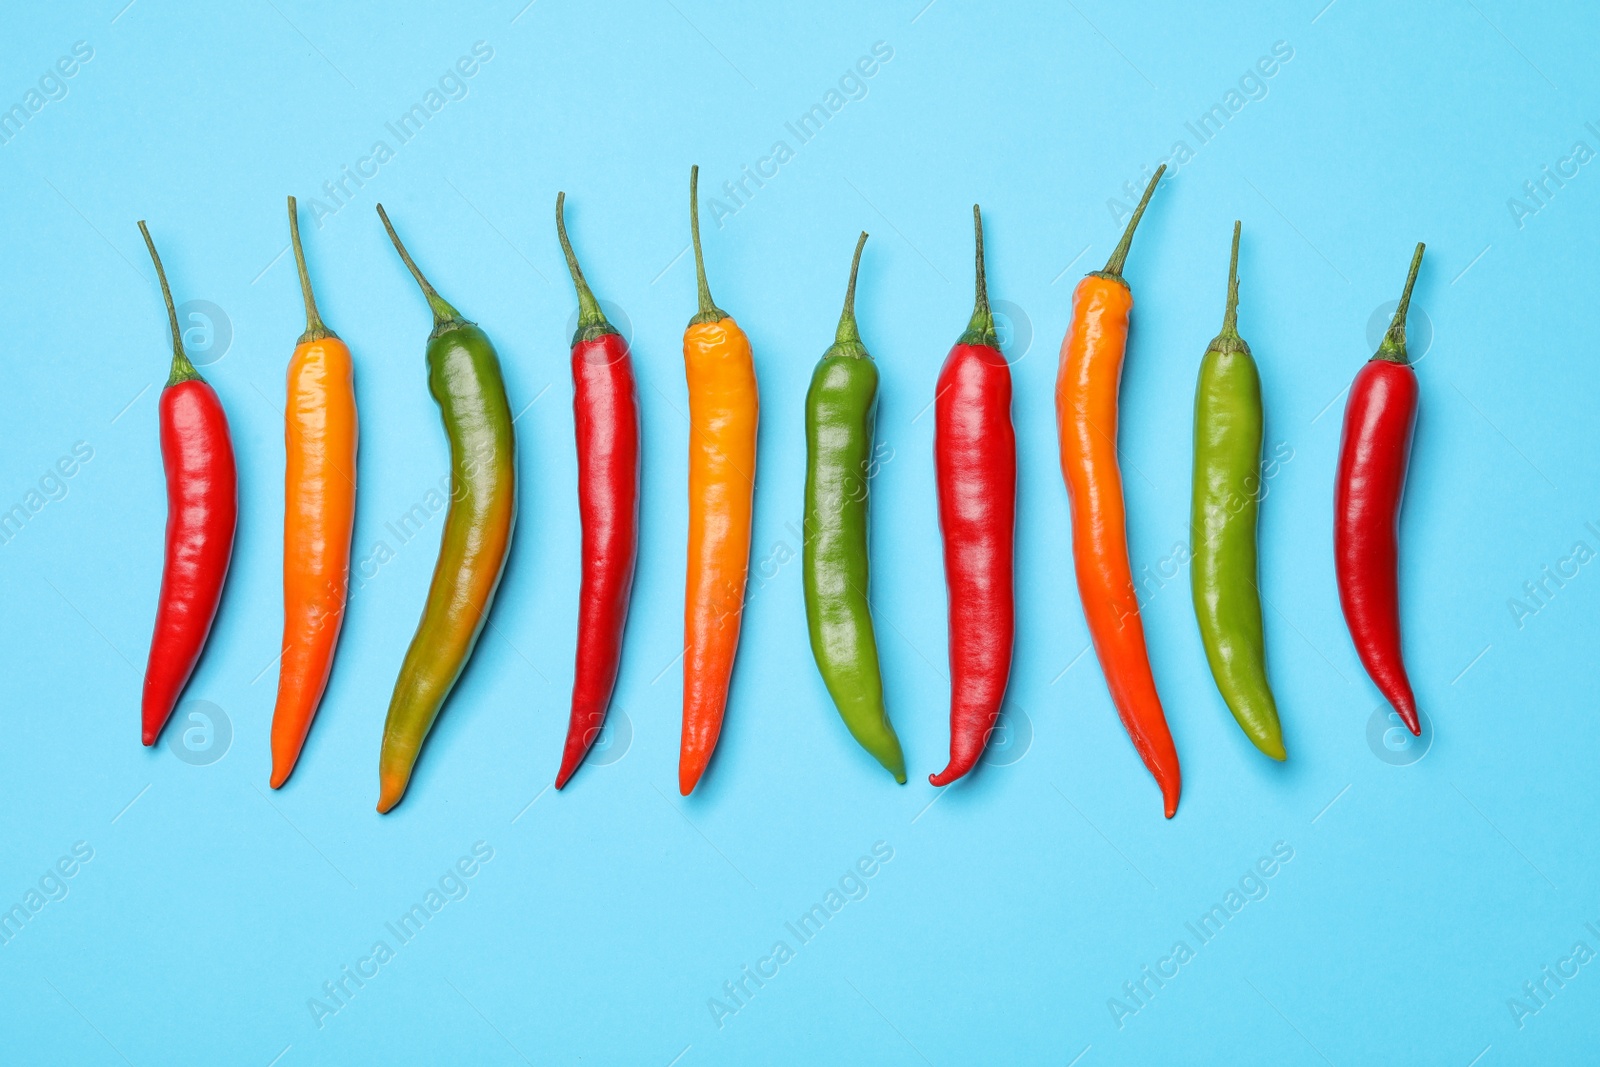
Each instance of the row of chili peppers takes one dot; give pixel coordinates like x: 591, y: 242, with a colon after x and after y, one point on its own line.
x: 975, y: 461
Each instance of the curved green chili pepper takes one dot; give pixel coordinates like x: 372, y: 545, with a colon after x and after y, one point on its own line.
x: 1227, y: 492
x: 464, y: 378
x: 840, y: 406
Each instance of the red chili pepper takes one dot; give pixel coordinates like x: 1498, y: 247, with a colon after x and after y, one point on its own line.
x: 202, y: 509
x: 975, y: 459
x: 1373, y: 452
x: 606, y: 416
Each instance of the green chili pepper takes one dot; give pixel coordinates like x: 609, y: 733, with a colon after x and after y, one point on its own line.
x: 1227, y: 487
x: 464, y: 378
x: 839, y: 461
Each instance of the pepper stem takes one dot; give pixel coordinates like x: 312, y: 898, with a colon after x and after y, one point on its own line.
x: 443, y: 313
x: 1119, y: 255
x: 980, y: 328
x: 1393, y: 347
x: 709, y: 312
x: 847, y: 339
x: 1230, y: 314
x: 847, y: 318
x: 1228, y: 340
x: 182, y: 369
x: 316, y: 330
x: 592, y: 323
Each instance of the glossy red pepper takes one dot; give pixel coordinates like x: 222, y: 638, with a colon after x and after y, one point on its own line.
x: 605, y: 410
x: 975, y: 461
x: 1374, y: 450
x: 202, y: 510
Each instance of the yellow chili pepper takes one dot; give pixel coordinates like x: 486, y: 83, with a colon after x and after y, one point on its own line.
x: 320, y: 513
x: 723, y: 409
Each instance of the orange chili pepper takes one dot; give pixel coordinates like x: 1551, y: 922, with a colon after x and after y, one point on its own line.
x: 1086, y: 417
x: 318, y: 518
x: 723, y: 409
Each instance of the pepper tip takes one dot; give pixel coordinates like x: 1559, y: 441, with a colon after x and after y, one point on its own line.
x: 893, y: 761
x: 390, y: 790
x: 1408, y: 715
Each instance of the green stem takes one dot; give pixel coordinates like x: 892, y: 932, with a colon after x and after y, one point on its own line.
x: 709, y: 312
x: 1119, y: 255
x: 316, y: 330
x: 1230, y: 314
x: 1393, y: 347
x: 182, y: 369
x: 444, y: 315
x: 1229, y: 340
x: 592, y: 324
x: 847, y: 339
x: 980, y: 328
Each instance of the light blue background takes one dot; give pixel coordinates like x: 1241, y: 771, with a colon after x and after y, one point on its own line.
x: 1421, y: 895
